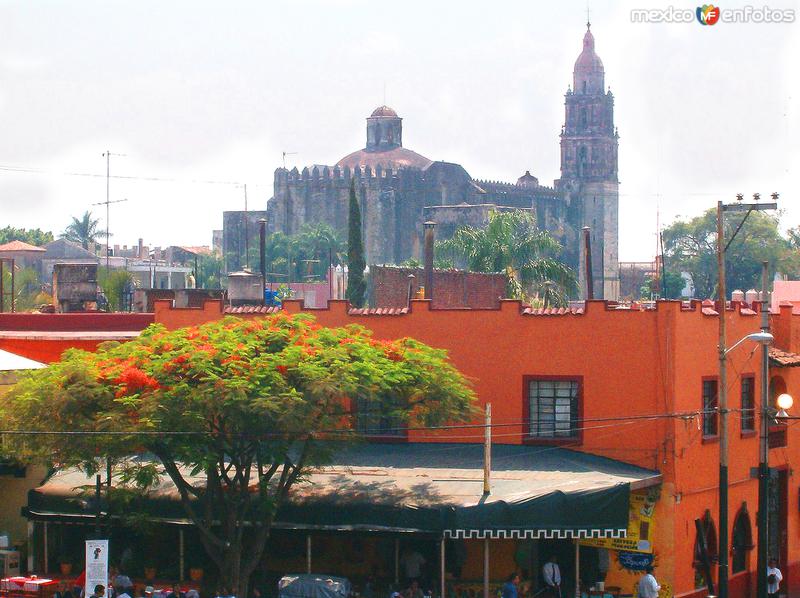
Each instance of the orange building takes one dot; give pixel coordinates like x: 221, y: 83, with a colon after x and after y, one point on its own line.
x: 634, y: 385
x: 626, y: 370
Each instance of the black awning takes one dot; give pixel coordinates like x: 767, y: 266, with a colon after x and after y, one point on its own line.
x: 424, y: 488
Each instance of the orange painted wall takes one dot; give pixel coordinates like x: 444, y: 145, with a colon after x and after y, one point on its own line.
x: 44, y: 350
x: 633, y: 364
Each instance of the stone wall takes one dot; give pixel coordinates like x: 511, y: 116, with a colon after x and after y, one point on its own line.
x: 452, y: 289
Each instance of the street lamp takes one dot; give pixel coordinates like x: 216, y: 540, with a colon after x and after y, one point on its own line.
x: 784, y: 403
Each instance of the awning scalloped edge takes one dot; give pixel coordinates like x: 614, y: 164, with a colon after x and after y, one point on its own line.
x: 532, y: 534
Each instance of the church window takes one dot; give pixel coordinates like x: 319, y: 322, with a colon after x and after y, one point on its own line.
x: 584, y: 119
x: 584, y: 86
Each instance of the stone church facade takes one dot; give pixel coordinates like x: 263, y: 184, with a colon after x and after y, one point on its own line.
x: 399, y: 189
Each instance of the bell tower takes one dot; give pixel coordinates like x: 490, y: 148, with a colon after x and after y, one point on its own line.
x: 589, y: 166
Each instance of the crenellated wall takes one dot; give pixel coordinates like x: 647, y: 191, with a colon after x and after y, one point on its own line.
x: 394, y: 203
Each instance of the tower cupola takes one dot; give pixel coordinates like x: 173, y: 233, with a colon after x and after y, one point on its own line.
x: 384, y: 129
x: 588, y: 75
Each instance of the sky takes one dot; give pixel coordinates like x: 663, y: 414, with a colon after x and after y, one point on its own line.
x: 201, y: 98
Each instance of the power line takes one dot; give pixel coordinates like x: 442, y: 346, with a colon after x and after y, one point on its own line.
x: 30, y: 170
x: 686, y: 415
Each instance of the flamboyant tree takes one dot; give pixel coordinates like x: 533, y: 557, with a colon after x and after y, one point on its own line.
x: 250, y: 405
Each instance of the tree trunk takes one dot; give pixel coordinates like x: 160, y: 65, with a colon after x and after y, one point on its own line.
x: 230, y: 575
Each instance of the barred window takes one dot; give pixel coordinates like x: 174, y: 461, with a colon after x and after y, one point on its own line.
x: 553, y: 408
x: 748, y: 404
x: 372, y: 419
x: 710, y: 404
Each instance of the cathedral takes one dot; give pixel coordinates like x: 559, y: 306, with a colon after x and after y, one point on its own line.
x: 399, y: 189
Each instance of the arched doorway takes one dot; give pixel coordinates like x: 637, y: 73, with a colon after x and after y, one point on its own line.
x: 703, y: 561
x: 741, y: 540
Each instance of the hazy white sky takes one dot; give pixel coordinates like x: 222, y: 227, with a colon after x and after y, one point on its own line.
x: 210, y: 91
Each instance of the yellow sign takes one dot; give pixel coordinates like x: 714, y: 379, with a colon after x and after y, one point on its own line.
x: 640, y: 525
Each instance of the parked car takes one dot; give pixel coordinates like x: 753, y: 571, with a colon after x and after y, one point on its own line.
x: 310, y: 585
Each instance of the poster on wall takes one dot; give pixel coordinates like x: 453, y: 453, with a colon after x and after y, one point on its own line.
x: 96, y: 565
x: 640, y: 525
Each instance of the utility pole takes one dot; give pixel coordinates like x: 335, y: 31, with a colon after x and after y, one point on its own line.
x: 722, y: 392
x: 107, y: 155
x: 722, y: 387
x: 763, y: 447
x: 487, y: 450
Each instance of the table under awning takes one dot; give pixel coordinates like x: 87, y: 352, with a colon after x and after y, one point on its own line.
x: 429, y: 488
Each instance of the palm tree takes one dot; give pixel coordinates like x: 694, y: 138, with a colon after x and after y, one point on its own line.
x: 511, y: 243
x: 83, y: 230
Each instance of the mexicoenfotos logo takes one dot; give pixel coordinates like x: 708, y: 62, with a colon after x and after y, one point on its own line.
x: 708, y: 14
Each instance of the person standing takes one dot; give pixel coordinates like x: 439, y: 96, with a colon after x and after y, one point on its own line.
x: 511, y: 587
x: 774, y: 578
x: 552, y: 577
x: 412, y: 562
x: 648, y: 586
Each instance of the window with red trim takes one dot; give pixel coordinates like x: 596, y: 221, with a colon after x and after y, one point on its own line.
x: 553, y: 407
x: 748, y: 404
x: 710, y: 404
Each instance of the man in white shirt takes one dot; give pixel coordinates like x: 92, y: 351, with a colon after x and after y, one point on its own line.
x: 552, y: 577
x: 648, y: 586
x: 774, y: 578
x: 412, y: 562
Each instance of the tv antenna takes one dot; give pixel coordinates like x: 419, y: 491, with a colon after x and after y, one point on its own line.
x: 107, y: 203
x: 287, y: 154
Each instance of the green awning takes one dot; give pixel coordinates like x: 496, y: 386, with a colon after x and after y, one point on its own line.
x: 424, y: 488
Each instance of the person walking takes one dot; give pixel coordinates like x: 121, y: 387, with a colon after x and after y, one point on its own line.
x: 648, y: 586
x: 552, y: 577
x: 774, y: 578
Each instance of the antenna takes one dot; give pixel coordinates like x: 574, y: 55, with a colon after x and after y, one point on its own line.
x: 287, y: 154
x: 107, y: 155
x: 246, y: 233
x: 588, y: 19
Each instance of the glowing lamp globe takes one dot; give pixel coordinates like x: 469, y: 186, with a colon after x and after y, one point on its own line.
x: 785, y: 401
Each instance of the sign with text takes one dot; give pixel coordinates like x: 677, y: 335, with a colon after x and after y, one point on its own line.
x: 96, y: 565
x: 640, y: 525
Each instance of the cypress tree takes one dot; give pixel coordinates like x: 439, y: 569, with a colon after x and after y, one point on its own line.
x: 356, y: 285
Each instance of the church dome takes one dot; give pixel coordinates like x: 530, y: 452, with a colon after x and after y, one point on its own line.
x: 589, y: 73
x: 384, y: 145
x: 395, y: 158
x: 383, y: 111
x: 528, y: 180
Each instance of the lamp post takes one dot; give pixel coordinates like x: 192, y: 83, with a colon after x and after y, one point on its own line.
x: 722, y: 247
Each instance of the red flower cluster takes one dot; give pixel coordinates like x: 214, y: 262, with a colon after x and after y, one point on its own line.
x: 132, y: 379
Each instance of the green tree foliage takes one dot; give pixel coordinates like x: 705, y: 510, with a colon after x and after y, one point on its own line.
x: 691, y: 245
x: 83, y: 230
x: 258, y: 404
x: 356, y: 264
x: 512, y: 243
x: 32, y: 236
x: 209, y: 272
x: 114, y: 284
x: 653, y: 287
x: 309, y: 252
x: 27, y: 289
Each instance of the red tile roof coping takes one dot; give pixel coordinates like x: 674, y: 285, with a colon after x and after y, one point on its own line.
x: 378, y: 311
x: 253, y: 309
x: 20, y: 246
x: 552, y: 311
x: 784, y: 358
